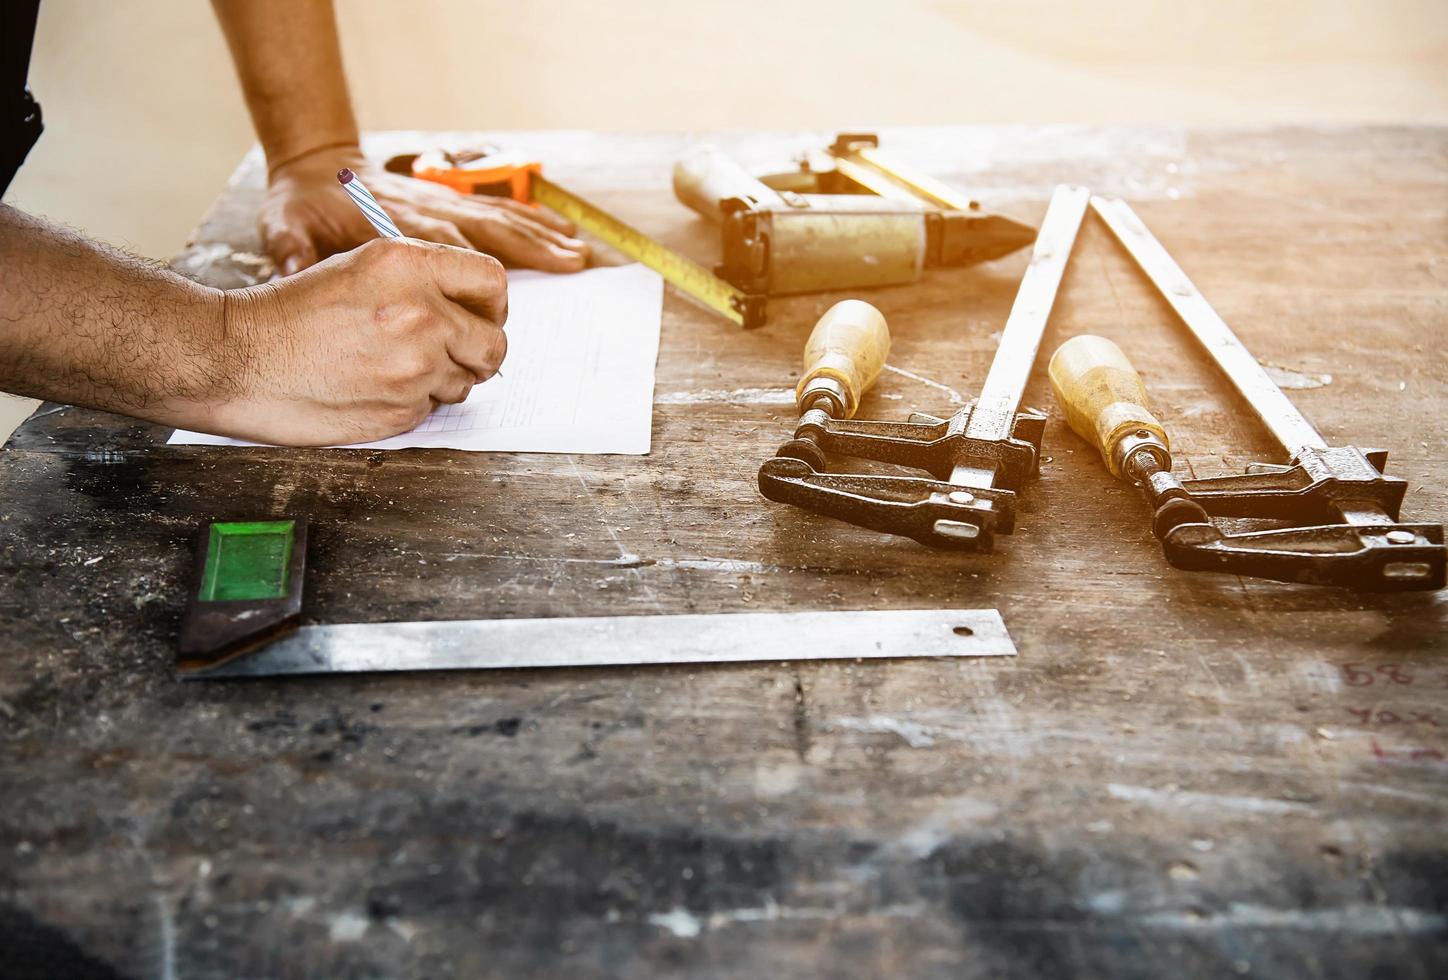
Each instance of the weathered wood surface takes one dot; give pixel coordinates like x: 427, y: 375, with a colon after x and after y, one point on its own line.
x: 1181, y: 774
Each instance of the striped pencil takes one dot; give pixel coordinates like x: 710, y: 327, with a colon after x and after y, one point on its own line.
x: 370, y: 209
x: 367, y: 204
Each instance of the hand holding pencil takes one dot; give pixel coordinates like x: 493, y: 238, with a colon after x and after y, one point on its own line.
x: 363, y: 345
x: 375, y: 214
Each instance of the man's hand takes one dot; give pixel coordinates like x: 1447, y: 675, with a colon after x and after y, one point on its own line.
x: 364, y: 345
x: 307, y: 216
x: 289, y: 62
x: 360, y: 347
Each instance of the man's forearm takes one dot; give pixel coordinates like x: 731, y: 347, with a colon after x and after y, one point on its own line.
x: 82, y: 324
x: 290, y: 64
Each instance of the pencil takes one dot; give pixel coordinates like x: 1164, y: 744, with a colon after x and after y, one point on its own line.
x: 367, y: 204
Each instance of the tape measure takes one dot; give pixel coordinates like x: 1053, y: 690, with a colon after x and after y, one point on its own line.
x: 511, y: 175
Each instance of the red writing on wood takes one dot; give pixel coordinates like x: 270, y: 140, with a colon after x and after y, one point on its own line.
x: 1369, y: 716
x: 1366, y: 675
x: 1407, y: 754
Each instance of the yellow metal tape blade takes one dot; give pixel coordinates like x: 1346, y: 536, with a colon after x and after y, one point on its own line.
x: 688, y: 276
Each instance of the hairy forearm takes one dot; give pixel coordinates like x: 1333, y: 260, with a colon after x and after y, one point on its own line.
x: 290, y: 64
x: 86, y: 325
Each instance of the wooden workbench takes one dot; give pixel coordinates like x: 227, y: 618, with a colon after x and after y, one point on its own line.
x: 1181, y: 774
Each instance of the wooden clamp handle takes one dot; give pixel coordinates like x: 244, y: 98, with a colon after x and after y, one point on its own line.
x: 1103, y: 397
x: 844, y: 355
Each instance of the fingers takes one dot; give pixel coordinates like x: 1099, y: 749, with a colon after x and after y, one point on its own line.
x: 513, y: 231
x: 289, y: 247
x: 452, y: 385
x: 541, y: 215
x: 520, y: 234
x: 472, y: 280
x: 477, y: 345
x: 429, y: 229
x: 544, y: 232
x: 570, y: 253
x: 524, y: 242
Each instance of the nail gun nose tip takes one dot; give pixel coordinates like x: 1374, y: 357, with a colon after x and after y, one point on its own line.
x: 1014, y: 231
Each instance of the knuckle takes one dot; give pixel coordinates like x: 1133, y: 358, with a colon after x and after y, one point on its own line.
x: 408, y: 367
x: 402, y: 417
x: 491, y: 271
x: 407, y: 318
x: 494, y: 267
x: 374, y: 249
x: 384, y: 254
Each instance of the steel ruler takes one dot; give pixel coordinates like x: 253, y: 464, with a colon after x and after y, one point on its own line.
x: 483, y: 644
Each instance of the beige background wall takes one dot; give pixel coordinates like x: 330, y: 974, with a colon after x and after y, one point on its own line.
x: 142, y: 91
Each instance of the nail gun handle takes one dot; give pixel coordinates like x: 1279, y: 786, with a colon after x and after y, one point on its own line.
x: 844, y: 355
x: 1103, y: 398
x: 704, y: 177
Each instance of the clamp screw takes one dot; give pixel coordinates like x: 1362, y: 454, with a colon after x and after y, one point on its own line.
x: 1402, y: 537
x: 961, y: 497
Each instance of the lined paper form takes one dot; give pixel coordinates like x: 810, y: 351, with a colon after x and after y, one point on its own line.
x: 578, y: 378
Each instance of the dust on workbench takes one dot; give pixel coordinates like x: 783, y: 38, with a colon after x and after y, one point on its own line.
x: 1191, y: 774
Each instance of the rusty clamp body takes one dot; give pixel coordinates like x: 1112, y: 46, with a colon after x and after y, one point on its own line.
x: 1339, y: 515
x: 979, y: 458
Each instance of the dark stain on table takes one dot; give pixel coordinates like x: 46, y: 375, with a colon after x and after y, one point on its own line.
x: 1193, y: 775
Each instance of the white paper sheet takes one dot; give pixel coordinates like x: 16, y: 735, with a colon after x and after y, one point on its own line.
x: 578, y: 378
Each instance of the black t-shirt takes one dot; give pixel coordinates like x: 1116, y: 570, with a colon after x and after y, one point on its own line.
x: 19, y: 113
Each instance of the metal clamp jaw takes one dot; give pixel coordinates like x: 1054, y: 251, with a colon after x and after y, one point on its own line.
x: 934, y: 512
x: 1346, y: 529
